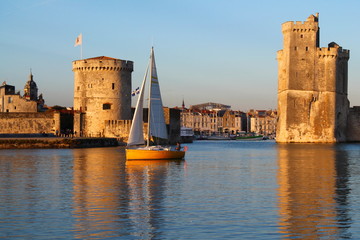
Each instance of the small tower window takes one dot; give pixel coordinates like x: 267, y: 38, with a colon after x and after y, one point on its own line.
x: 113, y: 86
x: 106, y: 106
x: 301, y: 36
x: 307, y: 48
x: 295, y: 48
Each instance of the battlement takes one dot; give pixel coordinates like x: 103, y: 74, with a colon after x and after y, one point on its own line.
x: 311, y: 24
x: 102, y: 64
x: 333, y: 52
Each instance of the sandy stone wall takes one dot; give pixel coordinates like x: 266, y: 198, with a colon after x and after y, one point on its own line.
x: 102, y: 90
x: 312, y: 86
x: 15, y: 103
x: 20, y: 123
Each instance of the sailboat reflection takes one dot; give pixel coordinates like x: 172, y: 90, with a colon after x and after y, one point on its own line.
x: 148, y: 181
x: 114, y: 198
x: 311, y: 192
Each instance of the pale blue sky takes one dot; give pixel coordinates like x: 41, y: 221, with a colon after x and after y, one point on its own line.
x: 205, y: 50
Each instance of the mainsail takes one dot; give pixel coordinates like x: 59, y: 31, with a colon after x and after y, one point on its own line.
x: 156, y: 118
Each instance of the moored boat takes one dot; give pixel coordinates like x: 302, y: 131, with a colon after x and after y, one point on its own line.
x: 250, y: 138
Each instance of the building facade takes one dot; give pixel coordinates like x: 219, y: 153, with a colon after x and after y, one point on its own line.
x: 263, y: 122
x: 209, y: 121
x: 312, y: 86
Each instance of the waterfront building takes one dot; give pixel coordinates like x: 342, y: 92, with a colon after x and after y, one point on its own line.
x: 213, y: 119
x: 263, y: 122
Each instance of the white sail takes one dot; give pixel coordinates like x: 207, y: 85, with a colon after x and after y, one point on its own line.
x: 156, y: 120
x: 136, y: 135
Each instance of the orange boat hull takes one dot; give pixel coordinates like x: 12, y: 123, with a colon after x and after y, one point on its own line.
x: 146, y: 154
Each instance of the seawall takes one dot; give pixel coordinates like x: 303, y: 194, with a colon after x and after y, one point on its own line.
x: 57, y: 142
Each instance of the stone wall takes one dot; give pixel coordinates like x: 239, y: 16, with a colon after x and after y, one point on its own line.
x: 312, y: 86
x: 102, y: 90
x: 16, y: 103
x: 353, y: 126
x: 27, y: 123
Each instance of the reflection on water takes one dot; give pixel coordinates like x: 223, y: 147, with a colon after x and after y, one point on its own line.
x: 97, y: 190
x: 224, y: 190
x: 312, y: 191
x: 147, y: 185
x: 113, y: 198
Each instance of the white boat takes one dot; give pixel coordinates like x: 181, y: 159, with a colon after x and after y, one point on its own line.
x: 137, y: 148
x: 186, y: 134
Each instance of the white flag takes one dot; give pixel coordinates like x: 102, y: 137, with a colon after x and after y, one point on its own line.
x: 78, y: 40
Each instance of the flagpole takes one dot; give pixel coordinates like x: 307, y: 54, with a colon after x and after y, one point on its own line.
x: 81, y: 53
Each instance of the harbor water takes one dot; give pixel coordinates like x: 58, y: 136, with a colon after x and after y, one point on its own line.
x: 222, y: 190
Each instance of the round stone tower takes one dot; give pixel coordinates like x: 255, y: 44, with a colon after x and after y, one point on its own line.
x: 102, y: 91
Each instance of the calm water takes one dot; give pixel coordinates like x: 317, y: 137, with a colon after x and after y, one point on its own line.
x: 224, y: 190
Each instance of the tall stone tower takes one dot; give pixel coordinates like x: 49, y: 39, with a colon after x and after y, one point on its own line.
x: 312, y: 86
x: 102, y: 91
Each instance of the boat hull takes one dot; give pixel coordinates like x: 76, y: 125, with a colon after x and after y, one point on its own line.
x: 149, y: 154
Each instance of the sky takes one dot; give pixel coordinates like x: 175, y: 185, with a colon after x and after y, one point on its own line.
x: 205, y: 50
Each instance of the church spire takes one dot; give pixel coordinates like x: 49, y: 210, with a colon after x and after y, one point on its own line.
x: 30, y: 89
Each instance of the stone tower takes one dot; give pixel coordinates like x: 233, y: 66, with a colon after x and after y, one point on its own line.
x: 102, y: 91
x: 30, y: 89
x: 312, y: 86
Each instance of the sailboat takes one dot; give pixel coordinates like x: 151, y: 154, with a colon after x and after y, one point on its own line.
x: 137, y: 148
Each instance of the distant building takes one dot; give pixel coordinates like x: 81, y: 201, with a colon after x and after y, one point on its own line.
x: 12, y: 101
x: 26, y: 115
x: 213, y: 118
x: 210, y: 106
x: 263, y: 122
x: 30, y: 89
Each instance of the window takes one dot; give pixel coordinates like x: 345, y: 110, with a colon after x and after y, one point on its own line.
x: 10, y: 100
x: 306, y: 48
x: 106, y: 106
x: 113, y: 86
